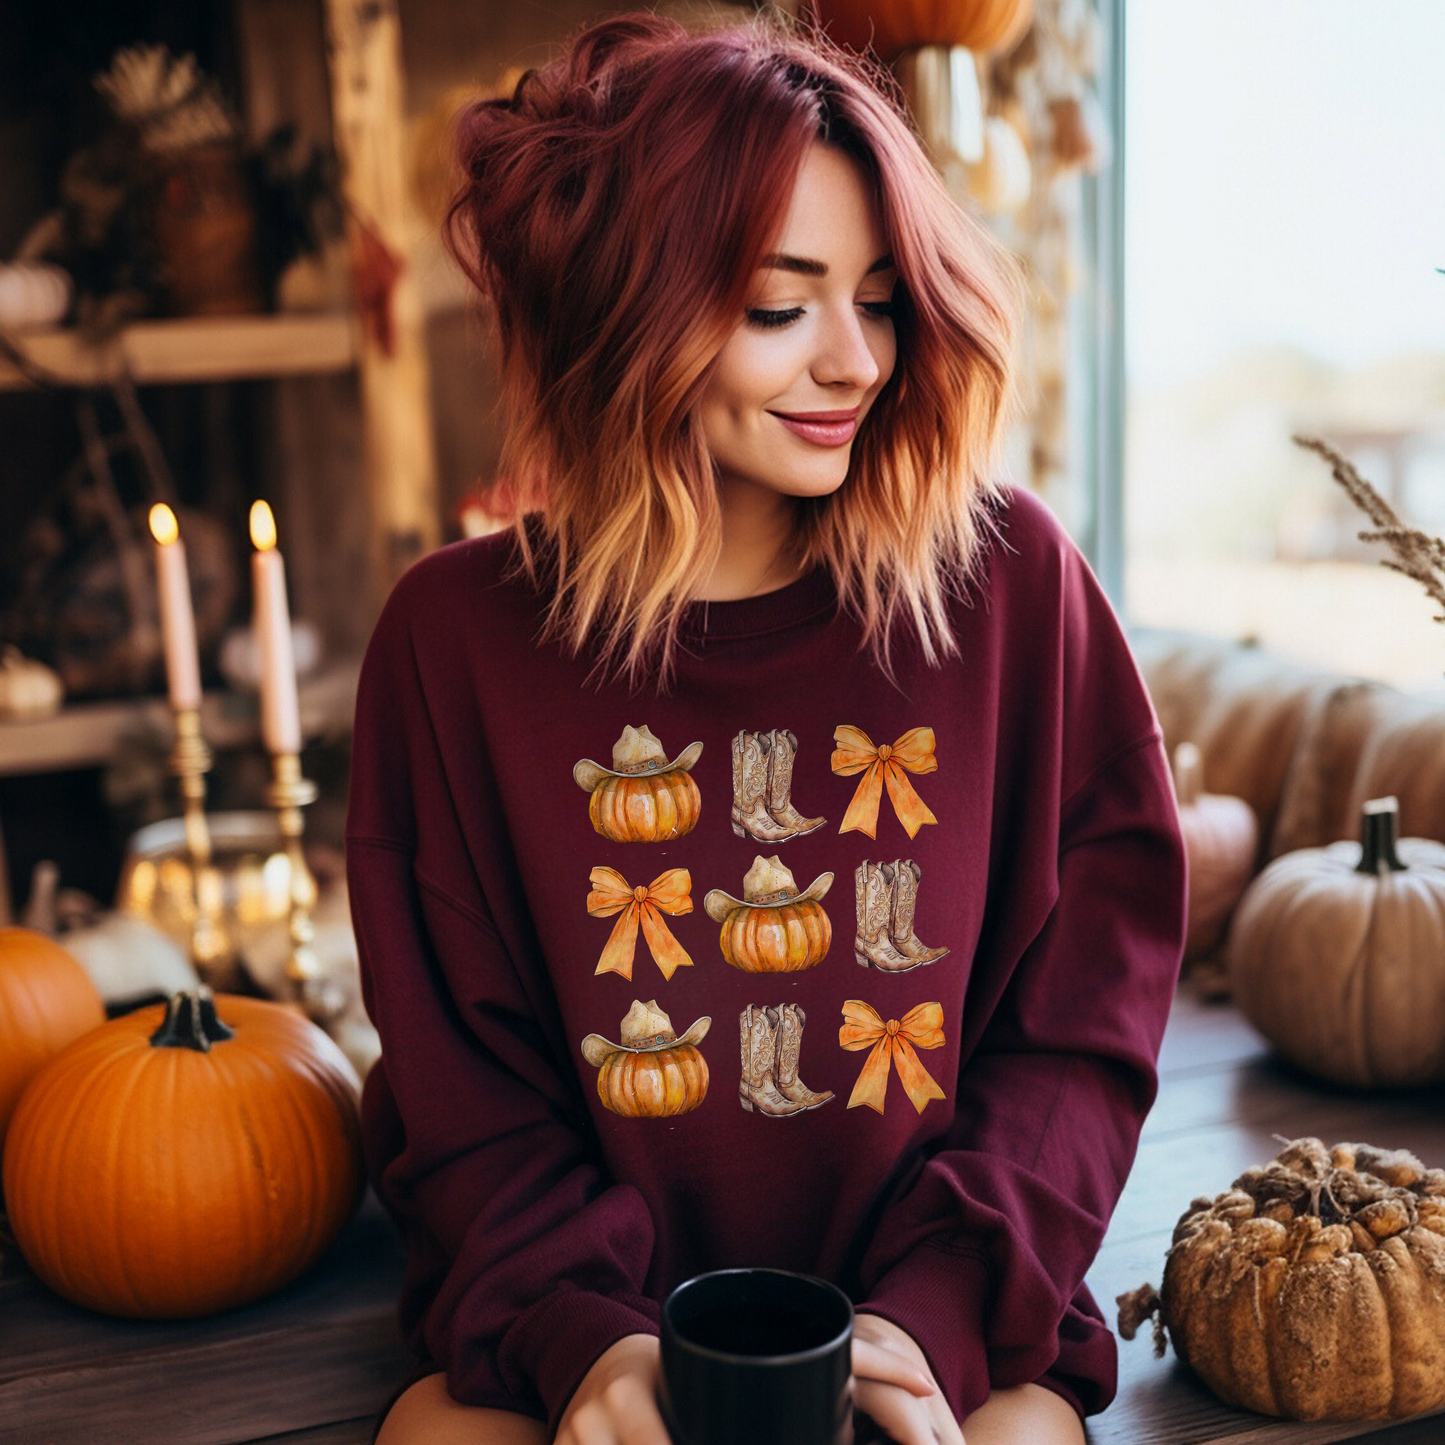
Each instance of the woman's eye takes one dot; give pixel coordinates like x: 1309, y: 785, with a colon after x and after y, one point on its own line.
x: 768, y: 319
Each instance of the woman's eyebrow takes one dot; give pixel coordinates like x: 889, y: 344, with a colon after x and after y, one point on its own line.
x: 806, y: 267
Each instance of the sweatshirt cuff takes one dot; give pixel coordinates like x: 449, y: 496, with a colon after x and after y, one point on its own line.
x: 560, y: 1338
x: 940, y: 1299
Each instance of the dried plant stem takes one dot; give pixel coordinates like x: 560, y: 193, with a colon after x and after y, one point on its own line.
x: 1418, y: 554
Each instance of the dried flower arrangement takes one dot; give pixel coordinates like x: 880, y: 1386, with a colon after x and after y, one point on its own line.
x: 169, y: 102
x: 1418, y: 554
x: 114, y: 194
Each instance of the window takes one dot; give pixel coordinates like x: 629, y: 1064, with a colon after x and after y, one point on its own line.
x: 1284, y: 219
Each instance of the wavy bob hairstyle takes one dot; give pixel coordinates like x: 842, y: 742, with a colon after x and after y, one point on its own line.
x: 614, y: 211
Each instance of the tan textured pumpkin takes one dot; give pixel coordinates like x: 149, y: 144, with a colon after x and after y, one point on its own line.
x: 46, y: 1001
x: 1221, y: 841
x: 184, y: 1158
x: 1314, y: 1288
x: 894, y: 25
x: 786, y: 938
x: 649, y: 808
x: 1337, y: 956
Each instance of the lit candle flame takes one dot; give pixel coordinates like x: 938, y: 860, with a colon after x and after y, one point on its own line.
x: 163, y: 524
x: 263, y: 527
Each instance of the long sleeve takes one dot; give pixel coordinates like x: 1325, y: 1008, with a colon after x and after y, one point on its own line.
x: 525, y: 1262
x: 982, y: 1255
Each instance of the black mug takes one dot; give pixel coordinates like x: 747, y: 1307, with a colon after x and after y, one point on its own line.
x: 757, y: 1357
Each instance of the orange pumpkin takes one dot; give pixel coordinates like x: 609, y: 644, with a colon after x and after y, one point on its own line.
x: 1221, y: 840
x: 184, y: 1158
x: 645, y: 807
x: 891, y: 26
x: 776, y: 938
x: 652, y: 1083
x: 47, y: 1000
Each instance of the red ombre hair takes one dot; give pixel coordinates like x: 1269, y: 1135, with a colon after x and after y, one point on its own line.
x: 615, y: 211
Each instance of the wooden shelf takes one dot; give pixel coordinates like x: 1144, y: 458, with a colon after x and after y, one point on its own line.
x: 204, y: 348
x: 88, y: 735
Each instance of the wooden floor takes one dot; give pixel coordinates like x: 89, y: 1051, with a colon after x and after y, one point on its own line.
x: 312, y: 1364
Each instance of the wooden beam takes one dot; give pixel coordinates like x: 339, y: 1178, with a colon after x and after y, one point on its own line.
x: 369, y: 119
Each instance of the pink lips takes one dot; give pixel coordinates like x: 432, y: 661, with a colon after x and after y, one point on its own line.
x: 824, y: 428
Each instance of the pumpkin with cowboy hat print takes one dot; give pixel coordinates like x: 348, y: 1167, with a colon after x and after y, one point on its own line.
x: 642, y: 798
x: 773, y: 927
x: 651, y: 1074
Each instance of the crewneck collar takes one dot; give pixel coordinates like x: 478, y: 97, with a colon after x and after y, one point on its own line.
x: 808, y: 596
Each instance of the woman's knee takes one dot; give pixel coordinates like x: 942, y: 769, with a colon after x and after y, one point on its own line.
x: 424, y: 1414
x: 1024, y: 1415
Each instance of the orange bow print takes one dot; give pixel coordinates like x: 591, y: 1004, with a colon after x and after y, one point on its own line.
x: 895, y: 1042
x: 611, y: 893
x: 855, y: 751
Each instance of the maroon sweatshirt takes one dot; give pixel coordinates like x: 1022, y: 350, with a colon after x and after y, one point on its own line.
x: 986, y: 1101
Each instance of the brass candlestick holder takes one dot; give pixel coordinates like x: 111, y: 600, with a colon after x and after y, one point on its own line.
x: 211, y: 950
x: 288, y: 793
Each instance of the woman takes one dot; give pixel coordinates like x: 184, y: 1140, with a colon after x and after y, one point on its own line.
x: 756, y: 366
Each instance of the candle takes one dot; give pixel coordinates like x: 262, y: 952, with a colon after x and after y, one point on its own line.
x: 178, y: 622
x: 280, y: 714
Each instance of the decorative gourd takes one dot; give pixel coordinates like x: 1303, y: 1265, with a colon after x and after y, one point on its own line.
x: 780, y: 938
x: 1314, y: 1288
x: 184, y: 1158
x: 46, y: 1001
x: 28, y: 689
x: 647, y: 807
x: 653, y: 1083
x: 1337, y: 956
x: 894, y: 25
x: 1221, y: 840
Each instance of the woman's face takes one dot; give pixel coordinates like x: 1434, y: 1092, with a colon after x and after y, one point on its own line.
x: 817, y: 338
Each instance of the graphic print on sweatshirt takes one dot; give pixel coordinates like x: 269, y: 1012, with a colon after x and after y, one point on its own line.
x: 894, y: 1044
x: 651, y: 1073
x: 774, y: 927
x: 762, y: 783
x: 669, y: 892
x: 883, y: 765
x: 641, y: 798
x: 886, y: 895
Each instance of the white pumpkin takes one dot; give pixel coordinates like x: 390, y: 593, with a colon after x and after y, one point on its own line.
x: 28, y: 689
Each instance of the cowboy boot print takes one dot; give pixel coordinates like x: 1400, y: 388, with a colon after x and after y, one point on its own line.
x: 782, y: 751
x: 873, y: 946
x: 757, y: 1092
x: 750, y: 782
x: 790, y: 1019
x: 906, y: 877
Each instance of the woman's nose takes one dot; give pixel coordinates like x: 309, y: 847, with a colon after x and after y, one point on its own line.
x: 845, y: 357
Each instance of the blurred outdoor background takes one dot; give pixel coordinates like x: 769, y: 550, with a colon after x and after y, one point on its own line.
x: 1285, y: 219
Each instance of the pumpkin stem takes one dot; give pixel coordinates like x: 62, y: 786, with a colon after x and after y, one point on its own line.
x: 1377, y: 838
x: 191, y: 1023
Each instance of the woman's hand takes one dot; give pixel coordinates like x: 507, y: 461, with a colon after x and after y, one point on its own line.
x: 894, y: 1386
x: 617, y: 1399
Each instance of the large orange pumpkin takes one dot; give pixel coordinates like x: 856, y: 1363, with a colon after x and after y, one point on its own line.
x: 47, y: 1000
x: 645, y: 807
x: 184, y: 1158
x: 652, y: 1083
x: 776, y: 938
x: 892, y: 26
